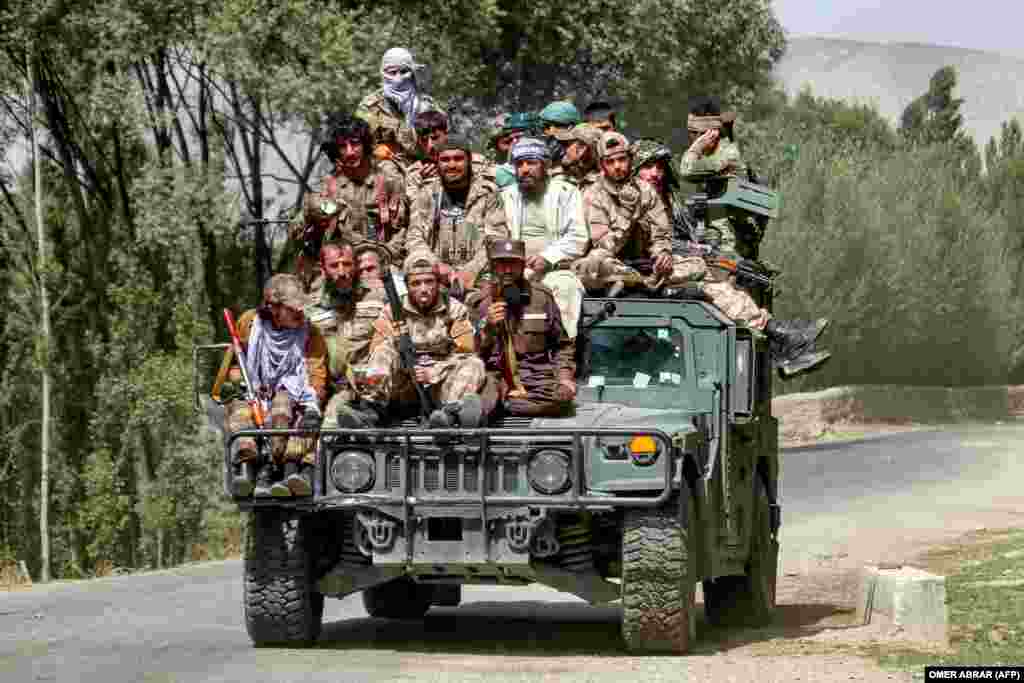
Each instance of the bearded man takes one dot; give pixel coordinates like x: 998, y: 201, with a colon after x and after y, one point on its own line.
x: 452, y: 219
x: 514, y: 127
x: 391, y: 111
x: 546, y: 213
x: 286, y: 361
x: 357, y: 201
x: 545, y: 356
x: 579, y: 163
x: 346, y: 309
x: 431, y: 136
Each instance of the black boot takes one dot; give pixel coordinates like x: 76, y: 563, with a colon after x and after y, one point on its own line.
x: 362, y: 414
x: 802, y: 364
x: 280, y: 487
x: 264, y: 480
x: 795, y: 336
x: 245, y: 479
x: 300, y: 483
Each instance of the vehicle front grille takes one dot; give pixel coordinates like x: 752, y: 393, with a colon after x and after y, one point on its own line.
x: 432, y: 474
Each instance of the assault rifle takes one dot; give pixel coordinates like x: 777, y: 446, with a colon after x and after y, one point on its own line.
x: 250, y: 391
x: 406, y: 352
x: 748, y: 273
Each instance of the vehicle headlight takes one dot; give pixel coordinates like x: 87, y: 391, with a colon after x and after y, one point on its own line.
x: 352, y: 471
x: 548, y: 472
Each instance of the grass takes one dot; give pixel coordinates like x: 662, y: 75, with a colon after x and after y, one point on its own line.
x: 985, y: 599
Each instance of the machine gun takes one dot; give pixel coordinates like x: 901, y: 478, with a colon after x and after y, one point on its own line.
x: 406, y: 351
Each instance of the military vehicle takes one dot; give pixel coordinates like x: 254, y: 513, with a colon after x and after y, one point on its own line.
x: 665, y: 476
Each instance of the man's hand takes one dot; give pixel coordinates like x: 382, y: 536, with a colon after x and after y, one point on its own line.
x: 566, y: 390
x: 705, y: 142
x: 537, y: 264
x: 497, y: 312
x: 663, y: 264
x: 422, y: 374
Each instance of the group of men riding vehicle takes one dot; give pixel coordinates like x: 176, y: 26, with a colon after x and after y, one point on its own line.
x: 496, y: 258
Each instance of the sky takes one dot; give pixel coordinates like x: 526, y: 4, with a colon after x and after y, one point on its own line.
x: 991, y: 25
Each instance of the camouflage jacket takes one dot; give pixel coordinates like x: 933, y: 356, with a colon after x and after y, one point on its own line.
x: 538, y: 336
x: 347, y: 208
x: 456, y: 235
x: 628, y: 220
x: 388, y: 125
x: 347, y: 327
x: 725, y: 160
x: 584, y: 181
x: 439, y: 333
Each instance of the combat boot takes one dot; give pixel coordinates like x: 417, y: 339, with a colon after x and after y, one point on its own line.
x: 362, y: 414
x: 264, y: 480
x: 298, y: 477
x: 802, y: 364
x: 791, y: 338
x: 244, y: 481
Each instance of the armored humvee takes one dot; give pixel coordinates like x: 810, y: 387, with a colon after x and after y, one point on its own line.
x: 664, y: 476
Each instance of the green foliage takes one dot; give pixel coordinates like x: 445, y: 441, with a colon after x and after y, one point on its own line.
x: 106, y: 508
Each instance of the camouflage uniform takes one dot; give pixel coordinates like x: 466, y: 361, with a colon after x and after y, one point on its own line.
x: 351, y: 211
x: 441, y: 337
x: 347, y: 328
x: 389, y: 127
x: 422, y: 174
x: 283, y: 411
x: 454, y: 234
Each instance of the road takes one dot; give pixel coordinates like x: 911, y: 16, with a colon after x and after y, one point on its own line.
x: 875, y: 499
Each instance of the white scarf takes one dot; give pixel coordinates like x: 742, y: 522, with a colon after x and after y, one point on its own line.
x: 276, y: 360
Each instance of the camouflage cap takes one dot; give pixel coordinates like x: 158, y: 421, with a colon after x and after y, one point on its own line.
x: 647, y: 151
x: 420, y: 262
x: 560, y: 113
x: 379, y: 248
x: 699, y: 124
x: 455, y: 141
x: 510, y: 249
x: 285, y: 289
x: 583, y: 132
x: 612, y: 144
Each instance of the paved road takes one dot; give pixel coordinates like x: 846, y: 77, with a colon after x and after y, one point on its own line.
x: 186, y: 624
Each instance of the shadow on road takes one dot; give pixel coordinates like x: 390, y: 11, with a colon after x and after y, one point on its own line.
x: 549, y: 628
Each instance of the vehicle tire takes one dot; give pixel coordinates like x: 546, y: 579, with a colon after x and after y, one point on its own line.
x: 400, y: 598
x: 446, y: 595
x: 748, y: 600
x: 657, y: 580
x: 282, y: 606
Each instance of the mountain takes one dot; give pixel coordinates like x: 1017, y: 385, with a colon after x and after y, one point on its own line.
x: 891, y: 75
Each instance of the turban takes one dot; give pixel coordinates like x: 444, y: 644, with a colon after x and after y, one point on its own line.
x: 530, y: 148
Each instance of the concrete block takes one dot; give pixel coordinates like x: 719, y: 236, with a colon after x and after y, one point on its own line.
x: 904, y: 602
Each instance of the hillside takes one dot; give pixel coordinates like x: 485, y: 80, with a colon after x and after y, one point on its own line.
x: 891, y: 75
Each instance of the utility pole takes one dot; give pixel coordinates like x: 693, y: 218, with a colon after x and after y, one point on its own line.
x: 44, y: 342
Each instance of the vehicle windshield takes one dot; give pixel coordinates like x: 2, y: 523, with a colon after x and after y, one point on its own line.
x: 641, y: 365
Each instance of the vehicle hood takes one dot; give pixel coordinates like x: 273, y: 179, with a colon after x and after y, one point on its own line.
x: 592, y: 415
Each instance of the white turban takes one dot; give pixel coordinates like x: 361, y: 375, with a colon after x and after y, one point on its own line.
x: 401, y: 88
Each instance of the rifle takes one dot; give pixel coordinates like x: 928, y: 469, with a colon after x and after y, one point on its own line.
x: 250, y: 391
x: 406, y: 352
x: 748, y: 273
x: 510, y: 368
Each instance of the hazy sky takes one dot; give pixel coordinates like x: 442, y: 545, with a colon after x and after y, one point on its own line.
x: 994, y: 25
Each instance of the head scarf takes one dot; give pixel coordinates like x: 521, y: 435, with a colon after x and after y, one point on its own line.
x: 400, y: 89
x: 530, y: 148
x: 276, y: 360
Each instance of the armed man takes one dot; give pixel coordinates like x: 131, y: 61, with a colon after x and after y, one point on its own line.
x: 345, y: 311
x: 391, y: 111
x: 579, y: 162
x: 629, y: 227
x: 452, y: 219
x: 286, y: 363
x: 447, y: 370
x: 557, y: 117
x: 547, y: 214
x: 530, y: 358
x: 357, y: 202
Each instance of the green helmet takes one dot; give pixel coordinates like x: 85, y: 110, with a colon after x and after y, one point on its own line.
x: 648, y: 150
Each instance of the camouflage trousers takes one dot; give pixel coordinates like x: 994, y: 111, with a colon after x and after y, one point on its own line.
x: 450, y: 379
x: 600, y: 269
x: 283, y: 414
